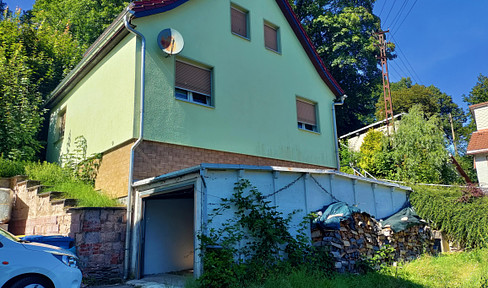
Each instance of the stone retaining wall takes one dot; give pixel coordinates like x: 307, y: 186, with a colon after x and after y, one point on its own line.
x: 99, y: 233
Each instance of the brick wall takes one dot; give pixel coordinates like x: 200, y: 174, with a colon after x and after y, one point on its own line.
x: 113, y: 174
x: 154, y: 158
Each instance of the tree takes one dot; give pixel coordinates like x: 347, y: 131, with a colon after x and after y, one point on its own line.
x: 375, y: 157
x: 432, y: 101
x: 33, y: 59
x: 418, y: 150
x: 341, y: 31
x: 479, y: 93
x: 2, y: 9
x: 20, y: 102
x: 85, y: 19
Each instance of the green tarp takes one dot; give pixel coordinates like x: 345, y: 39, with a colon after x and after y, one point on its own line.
x: 330, y: 217
x: 402, y: 220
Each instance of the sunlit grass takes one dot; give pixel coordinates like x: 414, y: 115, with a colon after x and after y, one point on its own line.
x: 453, y: 270
x: 85, y: 194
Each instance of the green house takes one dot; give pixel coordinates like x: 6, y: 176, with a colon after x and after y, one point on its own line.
x: 247, y: 88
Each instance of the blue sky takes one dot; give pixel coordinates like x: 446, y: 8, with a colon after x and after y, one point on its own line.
x: 441, y: 42
x: 444, y: 41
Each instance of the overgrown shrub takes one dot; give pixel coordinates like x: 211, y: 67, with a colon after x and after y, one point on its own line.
x: 466, y: 222
x: 9, y: 168
x: 256, y: 243
x: 47, y: 173
x: 62, y: 180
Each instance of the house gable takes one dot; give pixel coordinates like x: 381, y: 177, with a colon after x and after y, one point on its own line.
x: 254, y: 89
x: 146, y: 8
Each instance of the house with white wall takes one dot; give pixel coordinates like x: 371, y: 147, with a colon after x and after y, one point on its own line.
x: 478, y: 144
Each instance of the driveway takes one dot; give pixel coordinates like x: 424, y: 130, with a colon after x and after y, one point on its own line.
x: 157, y: 281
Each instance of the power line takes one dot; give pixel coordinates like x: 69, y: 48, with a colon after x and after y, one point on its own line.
x: 408, y: 13
x: 392, y: 5
x: 382, y: 7
x: 397, y: 16
x: 394, y: 70
x: 402, y: 74
x: 418, y: 80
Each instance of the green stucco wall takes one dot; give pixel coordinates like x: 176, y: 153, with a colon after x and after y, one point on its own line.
x: 254, y: 89
x: 101, y: 106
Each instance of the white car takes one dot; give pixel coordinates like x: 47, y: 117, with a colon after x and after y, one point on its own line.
x: 35, y: 265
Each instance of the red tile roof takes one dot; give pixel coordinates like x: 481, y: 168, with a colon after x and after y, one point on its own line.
x: 151, y: 7
x: 479, y: 105
x: 478, y: 142
x: 139, y: 6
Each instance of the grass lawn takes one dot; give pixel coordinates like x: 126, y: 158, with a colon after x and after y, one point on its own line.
x: 463, y: 269
x: 85, y: 194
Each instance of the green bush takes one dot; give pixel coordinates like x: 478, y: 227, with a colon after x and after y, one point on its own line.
x: 9, y: 168
x: 47, y: 173
x: 62, y: 180
x: 255, y: 244
x: 448, y: 210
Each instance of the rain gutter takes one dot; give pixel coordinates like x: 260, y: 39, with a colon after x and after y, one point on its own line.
x: 340, y: 103
x: 134, y: 146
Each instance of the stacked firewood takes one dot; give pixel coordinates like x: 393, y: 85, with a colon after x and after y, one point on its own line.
x: 362, y: 236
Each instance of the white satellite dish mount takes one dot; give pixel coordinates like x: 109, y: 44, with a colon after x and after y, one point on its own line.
x: 170, y: 41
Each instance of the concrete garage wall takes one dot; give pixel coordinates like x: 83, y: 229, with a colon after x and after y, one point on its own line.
x: 307, y: 192
x: 289, y: 189
x: 168, y: 235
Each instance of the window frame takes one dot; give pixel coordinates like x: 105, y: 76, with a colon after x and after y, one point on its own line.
x: 191, y: 94
x: 247, y: 18
x: 304, y: 126
x: 61, y: 124
x: 276, y: 28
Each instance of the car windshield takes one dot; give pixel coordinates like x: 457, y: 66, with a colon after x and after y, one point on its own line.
x: 8, y: 235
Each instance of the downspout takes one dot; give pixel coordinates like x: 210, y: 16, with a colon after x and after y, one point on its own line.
x: 132, y: 149
x: 336, y: 140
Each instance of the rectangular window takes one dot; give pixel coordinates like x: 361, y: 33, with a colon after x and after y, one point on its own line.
x: 239, y: 21
x: 271, y: 39
x: 193, y: 83
x: 61, y: 124
x: 307, y: 115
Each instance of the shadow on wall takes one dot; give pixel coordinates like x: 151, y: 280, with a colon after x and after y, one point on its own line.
x: 20, y: 213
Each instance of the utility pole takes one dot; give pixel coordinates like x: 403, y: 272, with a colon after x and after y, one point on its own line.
x: 386, y: 81
x: 453, y: 135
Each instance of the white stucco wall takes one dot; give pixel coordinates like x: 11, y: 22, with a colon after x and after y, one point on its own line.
x: 481, y: 117
x: 482, y: 169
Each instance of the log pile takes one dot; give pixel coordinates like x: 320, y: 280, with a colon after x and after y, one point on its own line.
x: 362, y: 236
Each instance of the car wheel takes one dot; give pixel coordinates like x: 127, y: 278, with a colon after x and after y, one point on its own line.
x: 32, y: 282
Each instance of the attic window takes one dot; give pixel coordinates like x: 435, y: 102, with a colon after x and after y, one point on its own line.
x: 271, y: 37
x: 239, y: 21
x: 193, y: 83
x: 307, y: 115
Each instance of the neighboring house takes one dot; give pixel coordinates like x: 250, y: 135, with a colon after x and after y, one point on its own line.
x: 478, y: 144
x: 248, y: 88
x: 355, y: 138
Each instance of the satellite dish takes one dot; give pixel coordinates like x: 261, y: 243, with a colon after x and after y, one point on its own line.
x: 170, y: 41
